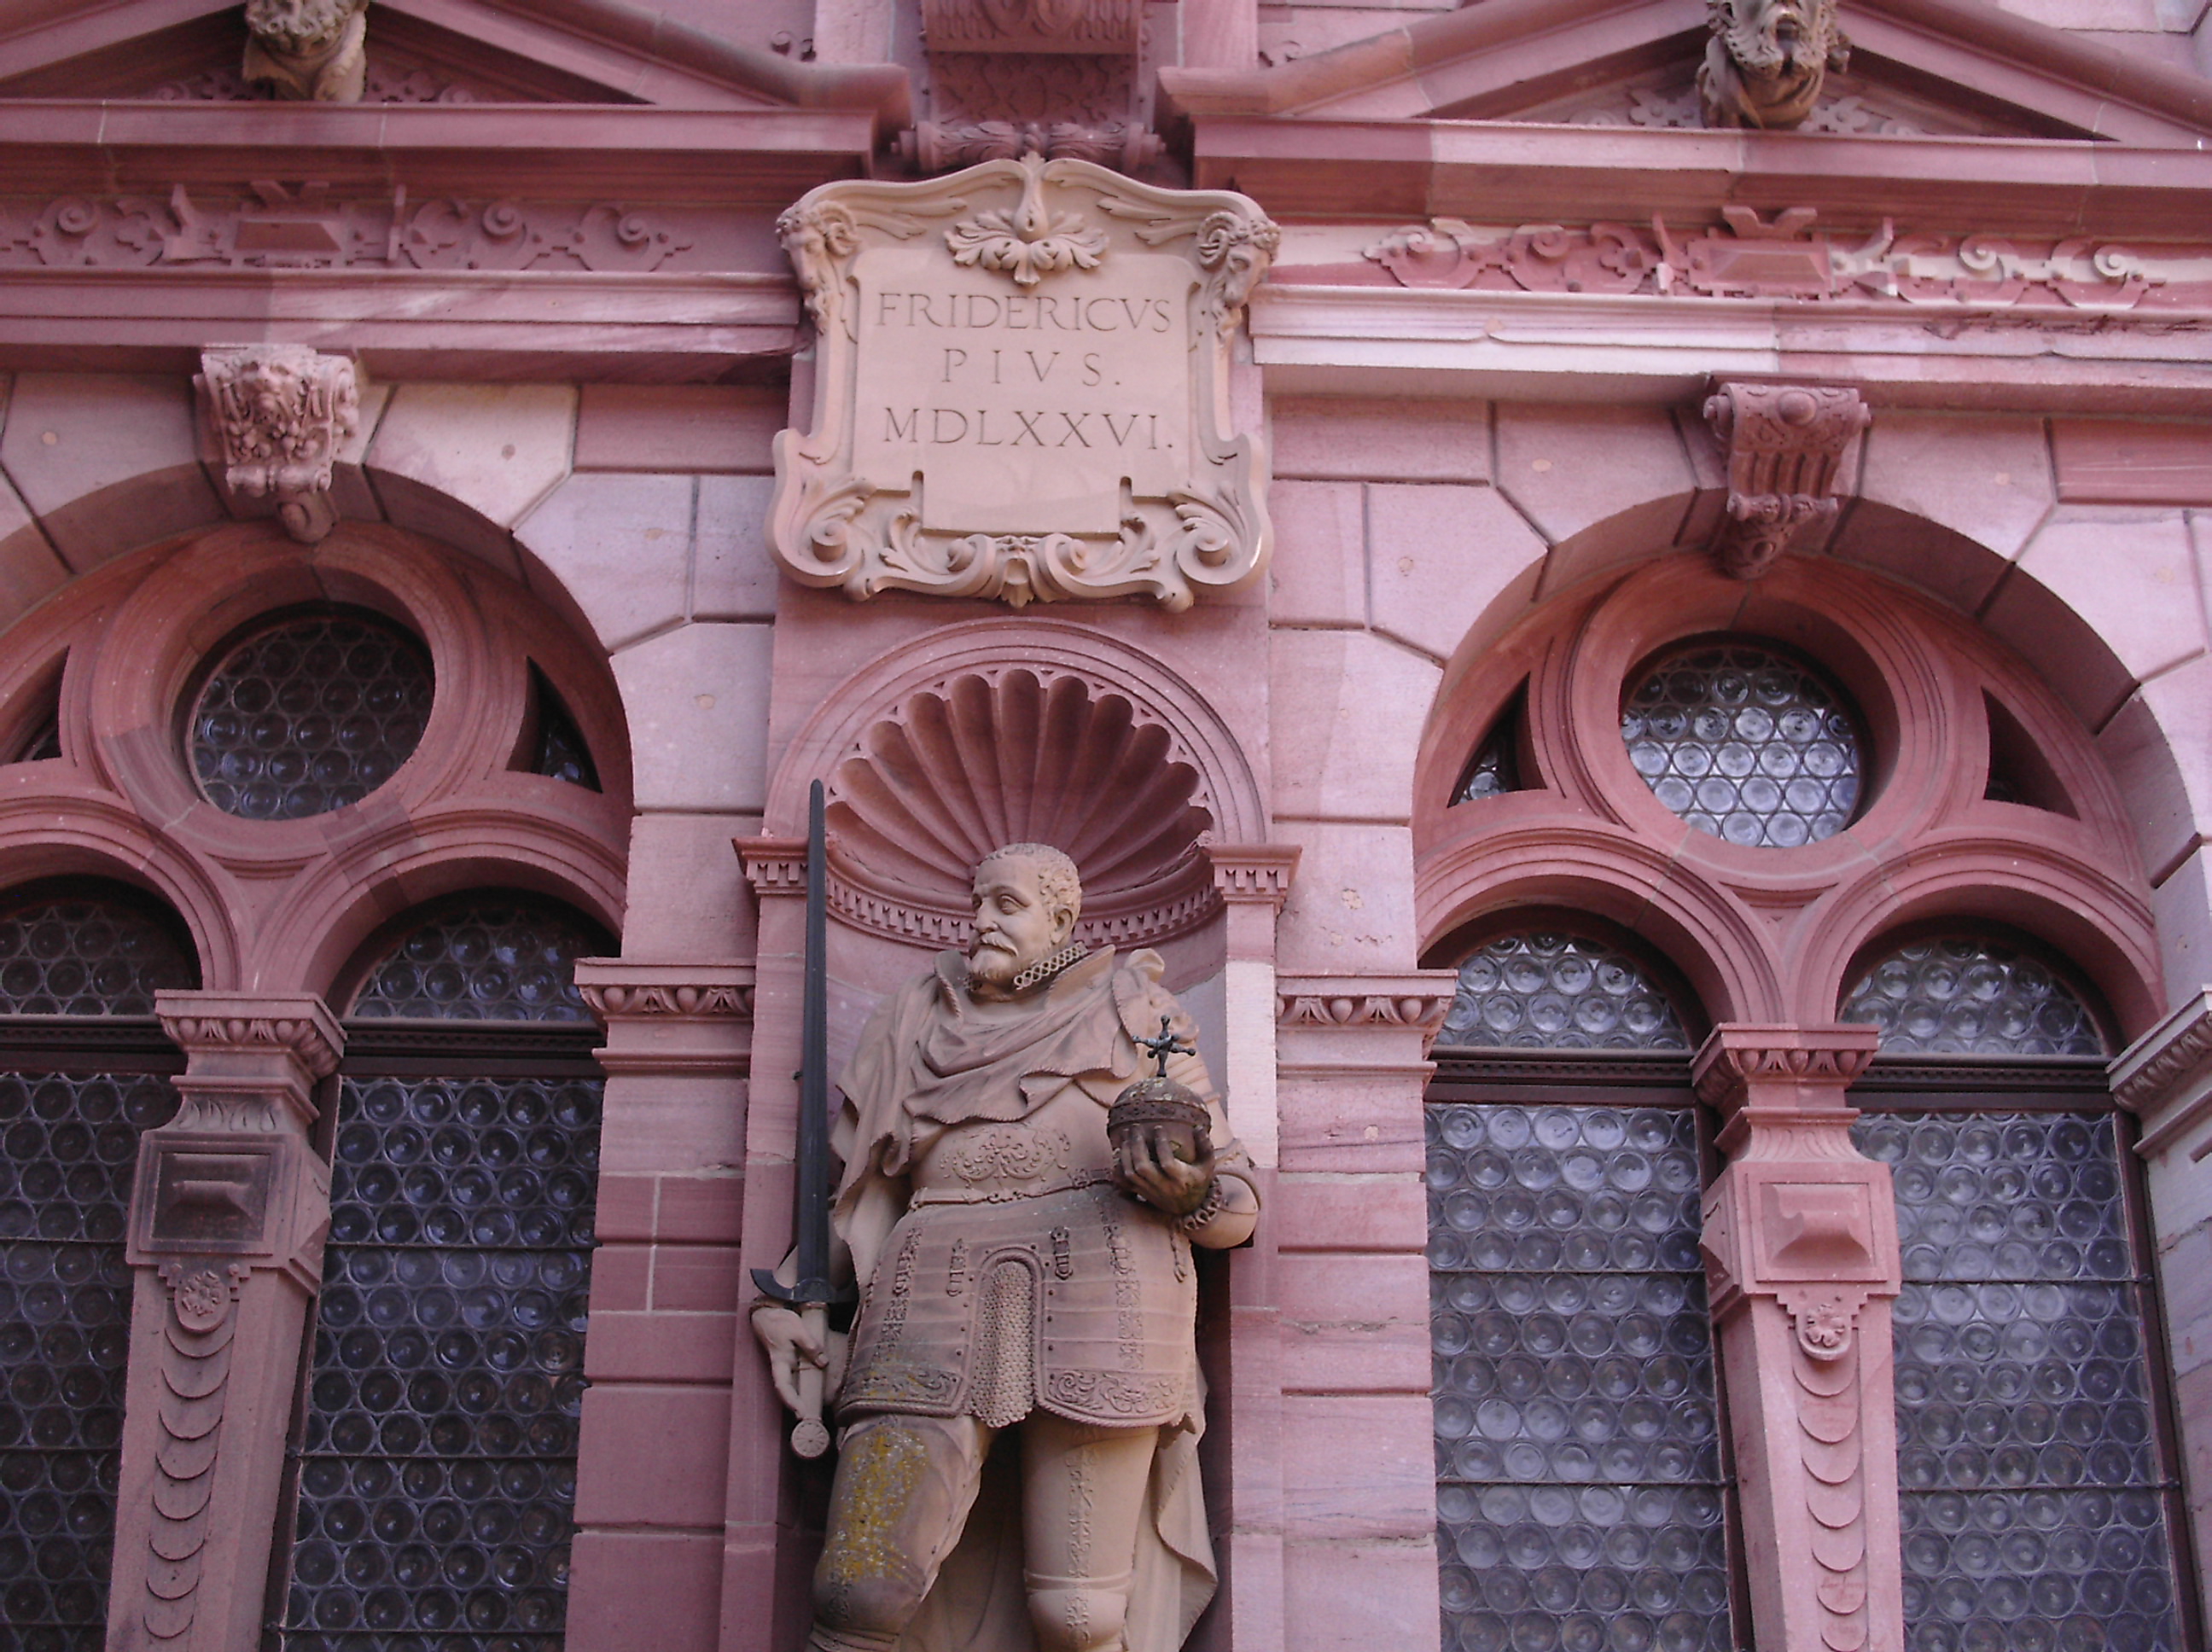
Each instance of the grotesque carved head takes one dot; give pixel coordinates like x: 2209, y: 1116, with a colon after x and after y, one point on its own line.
x: 1028, y: 897
x: 1767, y: 60
x: 299, y: 26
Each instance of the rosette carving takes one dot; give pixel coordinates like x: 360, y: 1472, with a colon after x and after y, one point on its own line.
x: 1026, y: 406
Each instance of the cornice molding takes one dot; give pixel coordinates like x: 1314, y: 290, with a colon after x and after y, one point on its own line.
x: 1416, y: 1001
x: 1738, y: 1057
x: 1257, y: 873
x: 622, y: 990
x: 2165, y: 1076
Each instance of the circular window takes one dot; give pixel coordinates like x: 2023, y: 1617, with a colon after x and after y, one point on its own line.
x: 1746, y: 744
x: 309, y: 715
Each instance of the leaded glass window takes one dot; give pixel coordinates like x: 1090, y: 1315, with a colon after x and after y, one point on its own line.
x: 69, y: 1146
x: 1547, y: 990
x: 1972, y: 995
x: 436, y: 1461
x: 1746, y: 743
x: 1580, y: 1499
x: 2035, y: 1495
x: 308, y: 715
x: 1496, y: 768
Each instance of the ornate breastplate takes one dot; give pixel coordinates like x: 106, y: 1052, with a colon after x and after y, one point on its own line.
x: 991, y: 1162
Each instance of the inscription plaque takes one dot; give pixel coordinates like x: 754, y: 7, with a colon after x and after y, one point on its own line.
x: 1022, y: 388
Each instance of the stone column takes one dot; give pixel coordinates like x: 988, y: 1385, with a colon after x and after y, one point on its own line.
x: 1354, y: 1483
x: 225, y: 1238
x: 767, y: 1599
x: 2165, y: 1077
x: 667, y: 1292
x: 1800, y: 1250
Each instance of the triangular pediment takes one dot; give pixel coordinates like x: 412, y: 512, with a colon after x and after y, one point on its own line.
x: 1930, y: 68
x: 573, y: 52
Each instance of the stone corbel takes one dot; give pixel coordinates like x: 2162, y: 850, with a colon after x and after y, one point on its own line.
x: 1785, y: 446
x: 279, y: 414
x: 1800, y: 1251
x: 671, y: 1017
x: 227, y: 1219
x: 308, y: 51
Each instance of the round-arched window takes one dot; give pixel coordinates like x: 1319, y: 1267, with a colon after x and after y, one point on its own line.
x: 1972, y: 996
x: 1558, y: 992
x: 308, y: 715
x: 1745, y: 743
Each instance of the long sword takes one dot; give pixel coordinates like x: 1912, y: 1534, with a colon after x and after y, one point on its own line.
x: 812, y: 1294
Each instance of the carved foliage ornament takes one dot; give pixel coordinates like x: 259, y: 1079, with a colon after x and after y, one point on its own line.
x: 1084, y: 25
x: 1023, y: 388
x: 1768, y: 61
x: 1785, y: 446
x: 313, y: 51
x: 282, y: 411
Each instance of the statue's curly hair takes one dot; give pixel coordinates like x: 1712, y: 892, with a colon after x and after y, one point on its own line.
x: 1058, y: 881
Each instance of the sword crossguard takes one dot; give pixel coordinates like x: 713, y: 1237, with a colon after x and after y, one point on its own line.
x: 807, y: 1293
x: 1165, y: 1045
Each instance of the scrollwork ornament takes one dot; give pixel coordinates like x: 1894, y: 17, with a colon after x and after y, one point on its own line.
x: 1048, y: 315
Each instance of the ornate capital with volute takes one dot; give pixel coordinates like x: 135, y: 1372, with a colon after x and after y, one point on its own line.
x: 1785, y: 446
x: 1021, y: 388
x: 280, y: 413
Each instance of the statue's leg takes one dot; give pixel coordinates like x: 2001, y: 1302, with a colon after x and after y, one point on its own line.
x: 1083, y: 1493
x: 903, y: 1488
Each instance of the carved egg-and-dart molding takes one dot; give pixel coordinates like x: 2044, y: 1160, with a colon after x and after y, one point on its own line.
x: 1020, y: 755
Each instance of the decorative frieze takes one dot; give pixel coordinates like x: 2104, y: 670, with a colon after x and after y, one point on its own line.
x: 1747, y: 256
x: 1090, y: 26
x: 1416, y: 1002
x: 1020, y: 388
x: 280, y: 412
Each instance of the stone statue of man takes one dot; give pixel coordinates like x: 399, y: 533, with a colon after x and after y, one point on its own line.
x: 1020, y: 1271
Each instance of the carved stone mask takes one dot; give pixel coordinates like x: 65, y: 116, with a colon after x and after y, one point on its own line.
x: 299, y: 26
x: 1772, y: 37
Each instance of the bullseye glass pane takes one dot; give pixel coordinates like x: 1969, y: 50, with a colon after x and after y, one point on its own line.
x: 1553, y: 992
x: 1580, y: 1500
x: 308, y: 716
x: 1745, y: 744
x: 437, y: 1472
x: 491, y: 960
x: 2033, y: 1487
x: 1974, y: 997
x: 86, y: 957
x: 68, y: 1147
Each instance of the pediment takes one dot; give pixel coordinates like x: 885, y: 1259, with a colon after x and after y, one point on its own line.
x: 573, y: 52
x: 1923, y: 68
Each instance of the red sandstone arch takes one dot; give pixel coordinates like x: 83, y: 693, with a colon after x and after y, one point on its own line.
x: 1767, y: 934
x: 278, y: 907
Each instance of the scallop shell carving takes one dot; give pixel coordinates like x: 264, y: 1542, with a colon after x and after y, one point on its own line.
x: 1013, y: 757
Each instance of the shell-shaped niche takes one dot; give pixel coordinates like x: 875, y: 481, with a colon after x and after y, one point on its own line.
x: 1020, y: 755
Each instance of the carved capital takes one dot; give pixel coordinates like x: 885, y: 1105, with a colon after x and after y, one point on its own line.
x: 1415, y: 1001
x: 230, y: 1024
x: 1109, y: 304
x: 1257, y: 873
x: 1785, y: 446
x: 308, y: 51
x: 2166, y: 1078
x: 620, y: 991
x: 1742, y: 1065
x: 280, y: 412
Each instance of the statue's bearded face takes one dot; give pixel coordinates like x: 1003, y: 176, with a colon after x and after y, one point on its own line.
x: 299, y: 25
x: 1017, y: 924
x: 1771, y: 37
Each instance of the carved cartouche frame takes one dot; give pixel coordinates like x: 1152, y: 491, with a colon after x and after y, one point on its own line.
x: 1034, y: 253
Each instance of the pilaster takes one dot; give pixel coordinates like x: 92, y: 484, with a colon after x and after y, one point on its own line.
x: 652, y: 1474
x: 1801, y: 1248
x: 228, y: 1220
